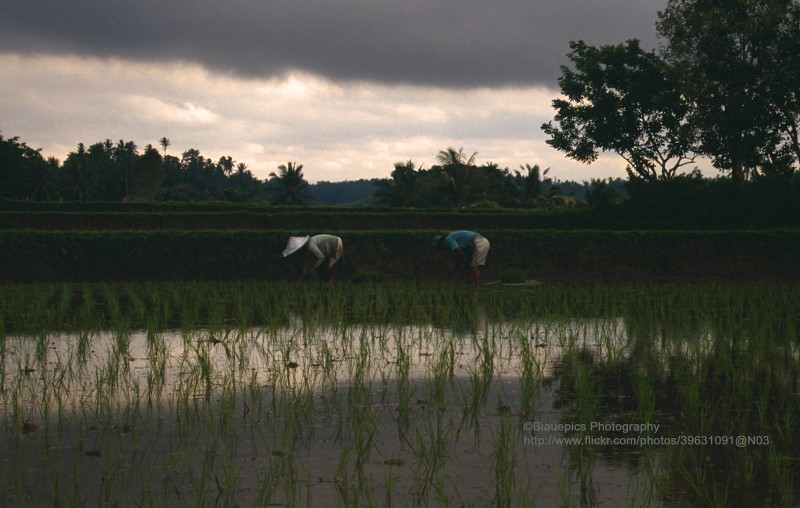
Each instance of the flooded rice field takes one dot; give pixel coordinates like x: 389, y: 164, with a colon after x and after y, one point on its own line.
x: 273, y: 394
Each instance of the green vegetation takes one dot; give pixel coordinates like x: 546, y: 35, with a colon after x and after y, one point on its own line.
x: 512, y: 275
x: 256, y: 393
x: 722, y: 86
x: 58, y: 256
x: 289, y: 186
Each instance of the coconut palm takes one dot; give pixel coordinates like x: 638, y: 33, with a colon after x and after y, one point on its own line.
x: 164, y: 142
x: 600, y: 193
x: 531, y: 184
x: 80, y: 174
x: 125, y: 154
x: 457, y: 181
x: 403, y: 189
x: 450, y: 157
x: 226, y: 164
x: 287, y: 186
x: 44, y: 180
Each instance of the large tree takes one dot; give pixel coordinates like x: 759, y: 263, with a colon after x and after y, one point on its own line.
x: 125, y: 154
x: 81, y: 175
x: 736, y: 63
x: 619, y: 98
x: 148, y: 173
x: 23, y: 172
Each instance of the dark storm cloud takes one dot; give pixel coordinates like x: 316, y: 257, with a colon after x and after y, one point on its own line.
x: 451, y: 43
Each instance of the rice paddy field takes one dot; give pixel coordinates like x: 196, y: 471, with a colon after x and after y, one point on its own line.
x: 399, y: 394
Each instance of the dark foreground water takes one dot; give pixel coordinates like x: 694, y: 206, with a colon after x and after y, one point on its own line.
x: 241, y: 394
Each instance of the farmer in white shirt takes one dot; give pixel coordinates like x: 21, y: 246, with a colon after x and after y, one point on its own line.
x: 323, y: 252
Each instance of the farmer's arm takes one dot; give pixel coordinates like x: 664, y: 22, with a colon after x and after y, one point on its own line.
x: 316, y: 254
x: 451, y: 244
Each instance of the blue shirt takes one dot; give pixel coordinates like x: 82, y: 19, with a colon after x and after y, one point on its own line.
x: 460, y: 238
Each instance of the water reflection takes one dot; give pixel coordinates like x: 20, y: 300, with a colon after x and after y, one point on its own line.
x: 485, y: 389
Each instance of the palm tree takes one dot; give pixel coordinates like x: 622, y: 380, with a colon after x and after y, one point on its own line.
x: 226, y: 164
x: 450, y: 158
x: 458, y: 181
x: 164, y: 142
x: 600, y: 193
x: 403, y: 189
x: 286, y: 187
x: 125, y: 155
x: 531, y: 184
x: 44, y: 180
x: 81, y: 174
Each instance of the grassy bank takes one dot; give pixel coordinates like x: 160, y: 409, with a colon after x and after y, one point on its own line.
x: 41, y: 256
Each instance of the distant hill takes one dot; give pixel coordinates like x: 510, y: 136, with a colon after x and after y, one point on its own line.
x: 355, y: 193
x: 360, y: 193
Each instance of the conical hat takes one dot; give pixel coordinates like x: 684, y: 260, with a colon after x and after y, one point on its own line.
x: 295, y: 243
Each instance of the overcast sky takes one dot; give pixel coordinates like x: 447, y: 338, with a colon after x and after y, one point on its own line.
x: 346, y: 88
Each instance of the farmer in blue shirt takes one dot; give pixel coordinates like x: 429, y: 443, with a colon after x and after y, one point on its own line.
x: 466, y: 243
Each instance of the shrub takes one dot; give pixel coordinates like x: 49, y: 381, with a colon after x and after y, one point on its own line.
x: 512, y: 276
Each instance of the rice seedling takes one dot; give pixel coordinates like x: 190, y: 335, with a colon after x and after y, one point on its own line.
x: 245, y: 392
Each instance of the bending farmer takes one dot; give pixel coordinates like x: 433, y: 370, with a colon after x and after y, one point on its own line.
x: 323, y: 252
x: 469, y: 246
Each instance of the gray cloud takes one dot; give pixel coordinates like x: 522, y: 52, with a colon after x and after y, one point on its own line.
x: 448, y: 43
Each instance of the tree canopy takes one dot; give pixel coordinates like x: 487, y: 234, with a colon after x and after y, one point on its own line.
x: 725, y: 85
x: 736, y: 65
x: 619, y: 98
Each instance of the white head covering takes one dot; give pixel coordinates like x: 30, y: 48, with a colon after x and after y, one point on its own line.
x: 295, y: 243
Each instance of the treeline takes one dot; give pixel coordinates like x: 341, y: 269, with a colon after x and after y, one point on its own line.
x: 109, y: 172
x: 114, y: 173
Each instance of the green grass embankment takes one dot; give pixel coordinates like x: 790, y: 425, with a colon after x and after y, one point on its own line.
x: 54, y: 256
x: 283, y: 219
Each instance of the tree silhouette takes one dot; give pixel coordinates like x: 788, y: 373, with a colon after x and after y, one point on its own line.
x: 109, y: 175
x: 452, y: 158
x: 125, y: 154
x: 531, y: 184
x: 148, y: 173
x: 164, y: 142
x: 600, y: 194
x: 20, y: 169
x: 621, y: 99
x: 226, y: 164
x: 457, y: 181
x: 404, y: 189
x: 737, y: 64
x: 287, y: 186
x: 44, y: 180
x: 80, y: 175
